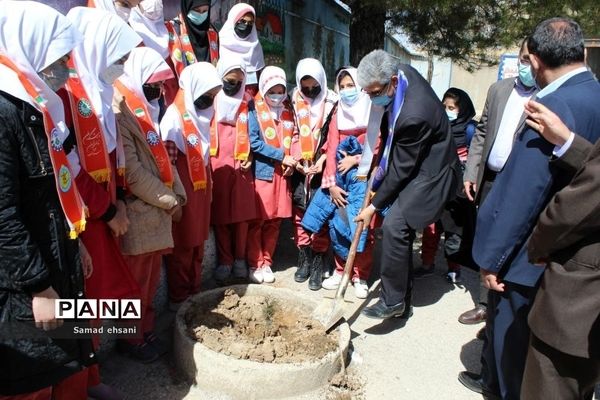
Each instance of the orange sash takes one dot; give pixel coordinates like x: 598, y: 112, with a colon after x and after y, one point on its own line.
x: 242, y: 141
x: 157, y: 147
x: 93, y: 153
x: 308, y: 138
x: 180, y: 46
x: 194, y: 153
x: 69, y: 196
x: 268, y: 128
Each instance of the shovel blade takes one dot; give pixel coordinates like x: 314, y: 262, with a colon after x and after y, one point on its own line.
x: 329, y: 313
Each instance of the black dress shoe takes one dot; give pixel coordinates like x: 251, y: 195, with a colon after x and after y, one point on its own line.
x: 473, y: 381
x: 380, y: 311
x: 305, y: 260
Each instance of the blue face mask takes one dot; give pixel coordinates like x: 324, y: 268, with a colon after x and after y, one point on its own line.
x: 383, y: 100
x: 349, y: 96
x: 197, y: 18
x: 451, y: 115
x: 526, y: 76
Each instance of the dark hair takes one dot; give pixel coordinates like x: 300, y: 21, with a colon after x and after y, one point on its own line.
x: 557, y: 42
x: 451, y: 95
x: 523, y: 44
x: 343, y: 74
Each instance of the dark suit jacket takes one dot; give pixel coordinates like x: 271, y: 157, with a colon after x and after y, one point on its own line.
x: 423, y: 170
x: 566, y: 310
x: 528, y: 181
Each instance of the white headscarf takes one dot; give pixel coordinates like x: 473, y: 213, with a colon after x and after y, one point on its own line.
x: 195, y: 80
x: 355, y: 116
x: 313, y: 68
x: 106, y: 5
x: 226, y: 107
x: 147, y: 19
x: 272, y: 76
x: 145, y: 65
x: 106, y: 39
x: 33, y: 36
x: 230, y: 43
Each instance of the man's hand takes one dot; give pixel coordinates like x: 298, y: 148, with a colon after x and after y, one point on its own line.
x: 120, y: 223
x: 338, y: 196
x: 86, y: 261
x: 365, y: 216
x: 490, y: 280
x: 347, y: 163
x: 548, y: 124
x: 470, y: 190
x: 176, y: 213
x: 42, y: 305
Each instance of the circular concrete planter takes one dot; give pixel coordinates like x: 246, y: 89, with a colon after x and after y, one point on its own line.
x: 243, y: 379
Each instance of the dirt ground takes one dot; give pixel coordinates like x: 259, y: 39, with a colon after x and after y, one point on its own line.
x: 259, y: 328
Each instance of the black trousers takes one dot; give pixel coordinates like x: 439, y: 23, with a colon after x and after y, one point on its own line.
x: 489, y: 177
x: 551, y: 374
x: 396, y: 258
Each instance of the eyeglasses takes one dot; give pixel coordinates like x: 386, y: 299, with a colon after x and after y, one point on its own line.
x: 380, y: 92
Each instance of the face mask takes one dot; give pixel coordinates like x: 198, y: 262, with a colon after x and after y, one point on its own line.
x: 243, y: 29
x: 112, y: 73
x: 55, y: 76
x: 203, y: 102
x: 151, y: 92
x: 152, y: 9
x: 275, y: 100
x: 123, y: 12
x: 197, y: 18
x: 230, y: 89
x: 451, y: 115
x: 349, y: 96
x: 526, y: 75
x: 383, y: 101
x: 311, y: 93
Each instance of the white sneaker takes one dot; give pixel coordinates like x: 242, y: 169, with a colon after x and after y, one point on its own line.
x: 240, y: 269
x: 332, y: 282
x: 361, y: 289
x: 256, y: 275
x: 267, y: 273
x: 222, y: 273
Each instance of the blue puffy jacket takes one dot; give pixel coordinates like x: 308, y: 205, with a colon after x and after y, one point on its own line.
x: 321, y: 209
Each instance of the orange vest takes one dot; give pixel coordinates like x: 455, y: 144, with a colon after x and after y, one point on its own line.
x: 180, y: 46
x: 242, y: 141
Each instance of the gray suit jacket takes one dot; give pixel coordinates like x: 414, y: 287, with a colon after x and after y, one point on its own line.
x: 487, y: 129
x: 566, y: 310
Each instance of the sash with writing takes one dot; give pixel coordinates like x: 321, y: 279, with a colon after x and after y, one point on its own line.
x: 242, y: 141
x: 157, y: 148
x: 70, y: 199
x: 93, y: 153
x: 393, y: 115
x: 180, y: 46
x: 308, y: 137
x: 268, y: 128
x: 194, y: 153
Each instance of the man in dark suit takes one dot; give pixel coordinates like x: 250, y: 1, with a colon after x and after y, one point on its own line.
x: 563, y: 360
x: 422, y: 173
x: 502, y: 117
x: 519, y: 194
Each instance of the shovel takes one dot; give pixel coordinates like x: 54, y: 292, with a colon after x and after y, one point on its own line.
x: 329, y: 314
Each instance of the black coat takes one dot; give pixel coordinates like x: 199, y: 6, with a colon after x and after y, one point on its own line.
x: 35, y: 253
x: 423, y: 171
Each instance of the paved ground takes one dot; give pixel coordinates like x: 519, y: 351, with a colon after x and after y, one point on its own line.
x: 414, y: 359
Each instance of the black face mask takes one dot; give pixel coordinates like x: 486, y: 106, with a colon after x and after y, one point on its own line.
x: 243, y: 29
x: 230, y: 88
x: 311, y: 93
x: 203, y: 102
x: 151, y: 92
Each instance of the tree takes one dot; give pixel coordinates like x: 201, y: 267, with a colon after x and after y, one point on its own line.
x: 367, y: 28
x: 468, y: 32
